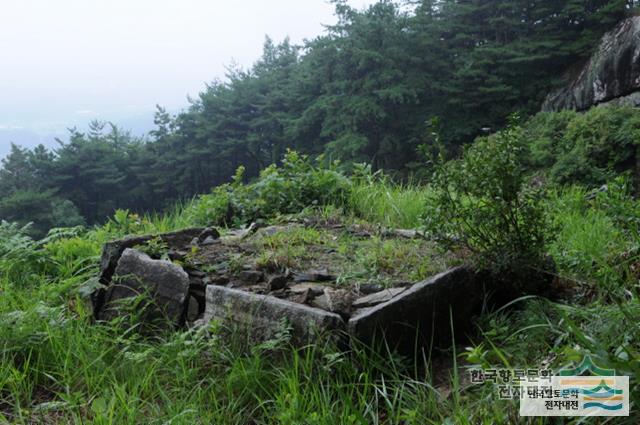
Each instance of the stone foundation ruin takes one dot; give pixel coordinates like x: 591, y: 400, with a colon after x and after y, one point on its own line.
x: 193, y: 280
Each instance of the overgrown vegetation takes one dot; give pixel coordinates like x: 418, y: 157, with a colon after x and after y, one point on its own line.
x: 485, y: 203
x: 590, y: 148
x: 360, y: 93
x: 297, y: 184
x: 56, y: 366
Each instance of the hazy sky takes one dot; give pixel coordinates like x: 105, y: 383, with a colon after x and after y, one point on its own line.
x: 66, y: 61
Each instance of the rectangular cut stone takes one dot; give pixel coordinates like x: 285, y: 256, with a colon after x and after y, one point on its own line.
x: 166, y: 284
x: 424, y: 311
x: 262, y: 316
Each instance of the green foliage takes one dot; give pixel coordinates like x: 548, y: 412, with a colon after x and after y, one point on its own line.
x: 212, y: 209
x: 587, y: 239
x: 71, y: 252
x: 65, y: 214
x: 155, y: 248
x: 287, y: 189
x: 374, y: 197
x: 483, y: 203
x: 598, y: 243
x: 12, y: 237
x: 360, y: 92
x: 589, y: 148
x: 21, y: 259
x: 56, y: 364
x: 619, y: 203
x: 82, y: 182
x: 125, y: 222
x: 26, y: 195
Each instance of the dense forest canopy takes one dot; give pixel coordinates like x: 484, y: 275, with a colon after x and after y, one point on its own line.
x: 365, y: 91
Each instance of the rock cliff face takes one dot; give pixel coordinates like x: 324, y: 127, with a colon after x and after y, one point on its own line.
x: 612, y: 75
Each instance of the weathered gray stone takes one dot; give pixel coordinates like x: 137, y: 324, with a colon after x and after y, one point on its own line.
x: 378, y: 297
x: 166, y: 284
x: 402, y: 233
x: 314, y: 289
x: 369, y: 288
x: 321, y: 302
x: 209, y: 241
x: 272, y: 230
x: 193, y: 309
x: 175, y: 255
x: 314, y: 276
x: 422, y: 312
x: 217, y: 280
x: 196, y: 273
x: 277, y: 281
x: 612, y: 75
x: 261, y: 317
x: 208, y: 234
x: 240, y: 234
x: 250, y: 277
x: 112, y: 251
x: 301, y: 297
x: 339, y: 300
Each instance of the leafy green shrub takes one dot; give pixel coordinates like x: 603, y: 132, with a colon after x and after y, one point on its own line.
x: 298, y: 183
x: 543, y: 135
x: 586, y: 241
x: 155, y: 248
x: 73, y: 255
x: 64, y: 213
x: 482, y: 202
x: 589, y: 148
x: 12, y: 237
x: 618, y: 203
x: 125, y: 222
x: 211, y: 209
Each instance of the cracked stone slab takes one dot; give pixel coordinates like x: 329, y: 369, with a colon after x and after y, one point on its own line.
x: 425, y: 311
x: 166, y: 284
x: 262, y: 317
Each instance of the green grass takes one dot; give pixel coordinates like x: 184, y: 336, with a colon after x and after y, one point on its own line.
x: 57, y: 367
x: 389, y: 204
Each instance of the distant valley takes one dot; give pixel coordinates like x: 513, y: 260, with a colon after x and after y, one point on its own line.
x: 31, y: 136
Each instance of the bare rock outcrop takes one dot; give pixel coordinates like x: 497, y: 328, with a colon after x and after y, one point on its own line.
x: 612, y: 74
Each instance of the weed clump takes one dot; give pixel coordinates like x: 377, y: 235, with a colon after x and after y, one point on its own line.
x: 297, y: 184
x: 484, y: 203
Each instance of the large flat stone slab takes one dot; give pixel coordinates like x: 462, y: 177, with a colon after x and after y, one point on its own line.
x: 165, y: 284
x: 426, y: 311
x: 261, y: 317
